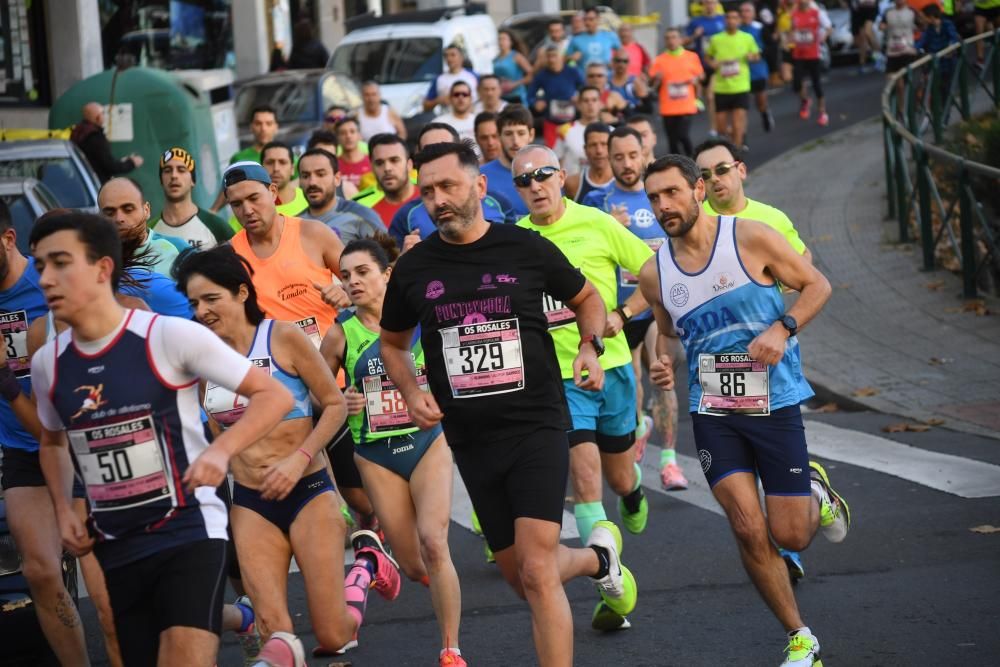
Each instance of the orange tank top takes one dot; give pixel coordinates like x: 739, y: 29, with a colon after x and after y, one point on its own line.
x: 284, y: 282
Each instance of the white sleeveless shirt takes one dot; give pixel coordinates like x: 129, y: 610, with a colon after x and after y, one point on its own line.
x: 372, y: 125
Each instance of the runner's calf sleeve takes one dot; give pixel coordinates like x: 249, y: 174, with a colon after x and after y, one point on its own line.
x: 356, y: 585
x: 587, y: 514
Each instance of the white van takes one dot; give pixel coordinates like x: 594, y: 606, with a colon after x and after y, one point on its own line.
x: 404, y: 52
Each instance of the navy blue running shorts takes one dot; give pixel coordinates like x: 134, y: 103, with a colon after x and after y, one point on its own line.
x: 773, y: 447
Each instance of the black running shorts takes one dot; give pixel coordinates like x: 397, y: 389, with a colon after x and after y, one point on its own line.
x: 183, y: 586
x: 341, y: 453
x: 524, y: 476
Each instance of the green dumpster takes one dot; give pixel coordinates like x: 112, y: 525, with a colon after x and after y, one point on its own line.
x: 147, y: 112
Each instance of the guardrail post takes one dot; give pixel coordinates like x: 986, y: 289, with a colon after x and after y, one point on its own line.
x: 968, y: 239
x: 924, y: 200
x: 910, y: 112
x: 889, y: 178
x: 963, y: 83
x: 936, y: 92
x: 902, y: 207
x: 996, y: 68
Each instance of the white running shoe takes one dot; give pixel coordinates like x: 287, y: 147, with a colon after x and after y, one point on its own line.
x: 283, y: 649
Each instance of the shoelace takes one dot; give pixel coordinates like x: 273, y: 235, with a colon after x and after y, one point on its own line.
x: 797, y: 643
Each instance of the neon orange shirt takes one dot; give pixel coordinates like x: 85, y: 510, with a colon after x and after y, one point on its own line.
x: 676, y: 91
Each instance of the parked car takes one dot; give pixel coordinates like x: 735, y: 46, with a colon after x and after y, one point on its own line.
x: 27, y: 198
x: 404, y: 53
x: 531, y: 27
x: 59, y: 165
x: 299, y: 97
x: 24, y: 644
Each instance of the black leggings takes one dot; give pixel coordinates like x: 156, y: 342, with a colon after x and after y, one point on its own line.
x: 678, y: 129
x: 811, y: 67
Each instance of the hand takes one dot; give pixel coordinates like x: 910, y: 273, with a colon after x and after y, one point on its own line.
x: 424, y: 409
x: 614, y: 324
x: 410, y: 240
x: 355, y: 400
x: 75, y: 537
x: 209, y: 469
x: 661, y: 372
x: 281, y: 478
x: 698, y: 32
x: 3, y: 355
x: 136, y: 160
x: 620, y: 213
x: 586, y: 360
x: 507, y: 86
x: 333, y: 295
x: 769, y: 347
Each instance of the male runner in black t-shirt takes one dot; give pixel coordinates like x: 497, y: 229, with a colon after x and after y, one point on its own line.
x: 476, y: 291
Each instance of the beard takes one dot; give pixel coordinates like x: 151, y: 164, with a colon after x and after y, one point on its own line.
x: 687, y: 218
x: 626, y: 178
x: 462, y: 216
x: 319, y: 197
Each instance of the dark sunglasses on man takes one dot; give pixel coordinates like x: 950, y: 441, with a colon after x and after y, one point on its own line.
x: 538, y: 175
x: 719, y: 169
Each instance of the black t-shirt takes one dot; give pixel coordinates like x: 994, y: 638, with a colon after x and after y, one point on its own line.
x: 490, y: 361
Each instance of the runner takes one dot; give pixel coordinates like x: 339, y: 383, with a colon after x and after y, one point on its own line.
x: 810, y: 28
x: 899, y: 22
x: 626, y: 201
x: 569, y: 146
x: 517, y: 130
x: 700, y: 29
x: 490, y: 93
x: 677, y: 72
x: 594, y: 44
x: 715, y: 281
x: 759, y: 71
x: 460, y: 114
x: 487, y: 138
x: 506, y: 422
x: 264, y: 127
x: 328, y: 142
x: 863, y: 15
x: 376, y: 116
x: 279, y: 161
x: 604, y: 421
x: 644, y: 127
x: 319, y: 173
x: 454, y: 60
x: 392, y: 166
x: 138, y: 409
x: 729, y: 54
x: 558, y: 85
x: 281, y: 488
x: 406, y: 471
x: 180, y: 216
x: 355, y: 165
x: 122, y: 200
x: 597, y: 174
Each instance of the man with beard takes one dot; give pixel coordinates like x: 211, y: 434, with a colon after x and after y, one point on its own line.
x: 180, y: 216
x: 716, y: 281
x: 506, y: 425
x: 626, y: 201
x: 122, y: 200
x: 604, y: 421
x: 460, y: 114
x: 517, y: 130
x: 392, y: 166
x: 319, y: 176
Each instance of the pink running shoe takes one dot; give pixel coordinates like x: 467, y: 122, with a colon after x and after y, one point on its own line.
x: 386, y: 579
x: 451, y: 659
x: 672, y: 478
x: 823, y: 119
x: 640, y: 442
x: 805, y: 108
x: 283, y: 649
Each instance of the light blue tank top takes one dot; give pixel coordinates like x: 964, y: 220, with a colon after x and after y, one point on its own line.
x: 507, y: 68
x: 226, y: 407
x: 721, y: 309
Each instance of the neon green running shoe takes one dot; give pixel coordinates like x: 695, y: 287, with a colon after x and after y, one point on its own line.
x: 802, y: 651
x: 606, y: 619
x: 476, y: 528
x: 634, y: 523
x: 489, y: 552
x: 617, y: 587
x: 834, y: 513
x: 346, y: 511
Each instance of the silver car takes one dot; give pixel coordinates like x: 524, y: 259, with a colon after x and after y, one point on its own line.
x: 27, y: 199
x: 58, y: 164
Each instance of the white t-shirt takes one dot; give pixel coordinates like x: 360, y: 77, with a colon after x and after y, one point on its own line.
x: 194, y: 231
x: 466, y: 127
x: 442, y: 85
x: 569, y: 148
x: 900, y: 24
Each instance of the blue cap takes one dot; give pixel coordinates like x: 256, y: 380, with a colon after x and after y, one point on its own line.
x: 245, y: 171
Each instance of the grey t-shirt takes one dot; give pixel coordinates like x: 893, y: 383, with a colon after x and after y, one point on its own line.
x: 350, y: 220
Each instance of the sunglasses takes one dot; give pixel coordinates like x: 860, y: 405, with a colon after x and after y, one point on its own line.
x: 539, y: 175
x: 622, y: 60
x: 459, y: 94
x: 332, y: 119
x: 719, y: 170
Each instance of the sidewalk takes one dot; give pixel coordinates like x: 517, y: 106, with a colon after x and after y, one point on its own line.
x: 889, y: 330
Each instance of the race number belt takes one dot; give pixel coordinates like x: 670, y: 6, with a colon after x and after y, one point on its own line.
x: 629, y: 279
x: 556, y: 312
x: 733, y: 384
x: 122, y: 463
x: 310, y: 327
x: 384, y: 405
x: 483, y: 359
x: 562, y: 110
x: 678, y: 91
x: 14, y: 328
x: 729, y: 68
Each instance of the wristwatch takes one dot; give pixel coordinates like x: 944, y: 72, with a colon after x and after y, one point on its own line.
x: 624, y: 312
x: 790, y: 324
x: 596, y: 341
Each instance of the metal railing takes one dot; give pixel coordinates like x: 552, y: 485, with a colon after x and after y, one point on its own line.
x: 935, y: 88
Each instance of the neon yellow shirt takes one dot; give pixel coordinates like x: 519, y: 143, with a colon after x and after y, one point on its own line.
x: 292, y: 208
x: 770, y: 216
x: 597, y: 244
x: 732, y: 74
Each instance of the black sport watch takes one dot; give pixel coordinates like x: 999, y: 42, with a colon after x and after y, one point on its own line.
x: 790, y: 324
x: 596, y: 341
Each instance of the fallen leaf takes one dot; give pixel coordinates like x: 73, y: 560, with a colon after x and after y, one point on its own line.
x: 828, y: 407
x: 935, y: 285
x: 865, y: 391
x: 844, y: 286
x: 902, y: 427
x: 934, y: 421
x: 918, y: 428
x: 977, y: 306
x: 894, y: 428
x: 985, y: 529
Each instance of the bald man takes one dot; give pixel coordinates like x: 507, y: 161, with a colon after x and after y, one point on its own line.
x: 603, y: 434
x: 123, y: 201
x: 88, y: 135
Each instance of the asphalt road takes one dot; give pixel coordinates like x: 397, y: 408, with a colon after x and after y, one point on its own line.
x: 911, y: 585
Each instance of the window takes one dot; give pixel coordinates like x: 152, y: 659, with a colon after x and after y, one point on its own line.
x: 58, y: 174
x: 390, y: 61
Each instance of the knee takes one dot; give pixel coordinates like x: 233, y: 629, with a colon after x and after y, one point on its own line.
x: 586, y: 477
x: 434, y: 549
x: 537, y: 574
x: 791, y: 536
x: 622, y: 481
x: 750, y: 531
x: 44, y: 575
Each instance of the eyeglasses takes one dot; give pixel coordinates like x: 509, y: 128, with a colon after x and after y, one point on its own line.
x: 539, y: 175
x: 596, y: 75
x: 719, y: 170
x: 332, y: 119
x: 458, y: 94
